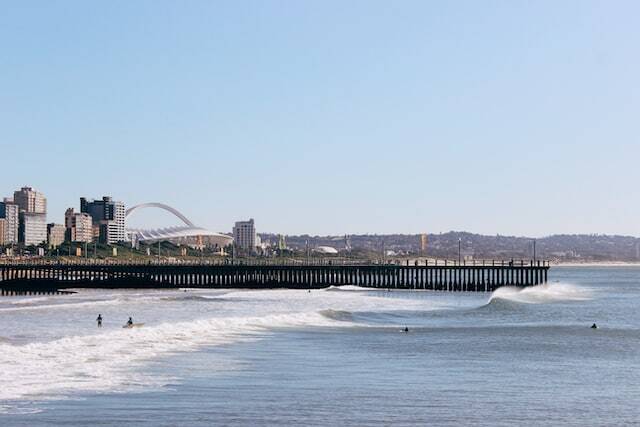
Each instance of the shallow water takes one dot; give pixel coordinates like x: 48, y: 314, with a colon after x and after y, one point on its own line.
x: 334, y: 356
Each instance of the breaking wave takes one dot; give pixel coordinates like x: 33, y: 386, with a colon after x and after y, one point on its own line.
x: 202, y: 298
x: 541, y: 294
x: 65, y: 305
x: 339, y: 315
x: 379, y: 318
x: 106, y: 362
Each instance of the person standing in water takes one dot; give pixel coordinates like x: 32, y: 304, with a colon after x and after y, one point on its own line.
x: 130, y: 321
x: 99, y: 320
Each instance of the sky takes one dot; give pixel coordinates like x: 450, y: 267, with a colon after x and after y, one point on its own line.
x: 329, y: 117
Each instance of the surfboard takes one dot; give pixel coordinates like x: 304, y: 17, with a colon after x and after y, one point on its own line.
x: 135, y: 325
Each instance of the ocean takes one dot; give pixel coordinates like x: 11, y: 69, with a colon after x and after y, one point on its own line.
x: 337, y: 356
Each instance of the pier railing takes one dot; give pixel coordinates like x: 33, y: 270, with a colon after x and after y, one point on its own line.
x: 277, y: 262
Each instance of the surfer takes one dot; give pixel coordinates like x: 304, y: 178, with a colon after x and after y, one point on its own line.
x: 130, y: 322
x: 406, y: 329
x: 99, y: 320
x: 594, y: 326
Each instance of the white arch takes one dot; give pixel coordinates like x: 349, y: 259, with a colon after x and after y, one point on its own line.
x: 160, y: 206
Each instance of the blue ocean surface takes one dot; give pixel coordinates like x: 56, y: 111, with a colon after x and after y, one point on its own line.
x: 328, y: 357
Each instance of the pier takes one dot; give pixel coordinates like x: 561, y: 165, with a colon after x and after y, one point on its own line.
x: 21, y: 278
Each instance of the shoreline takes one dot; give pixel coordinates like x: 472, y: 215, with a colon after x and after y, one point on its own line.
x: 597, y: 264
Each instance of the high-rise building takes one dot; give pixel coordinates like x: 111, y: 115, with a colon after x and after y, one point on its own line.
x: 9, y: 213
x: 78, y: 226
x: 32, y: 226
x: 55, y: 234
x: 108, y: 218
x: 30, y: 201
x: 3, y: 225
x: 244, y: 235
x: 32, y: 229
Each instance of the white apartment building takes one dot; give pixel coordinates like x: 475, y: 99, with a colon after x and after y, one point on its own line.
x: 116, y: 227
x: 30, y: 201
x: 9, y: 214
x: 55, y: 235
x: 79, y: 226
x: 33, y: 228
x: 244, y: 235
x: 32, y: 206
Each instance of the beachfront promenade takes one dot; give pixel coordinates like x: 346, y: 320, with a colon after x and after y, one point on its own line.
x: 480, y: 276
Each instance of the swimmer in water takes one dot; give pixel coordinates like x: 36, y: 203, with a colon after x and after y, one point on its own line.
x: 594, y: 326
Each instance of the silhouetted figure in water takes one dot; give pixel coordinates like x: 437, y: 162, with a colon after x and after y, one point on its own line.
x: 406, y: 329
x: 594, y: 326
x: 99, y: 320
x: 130, y: 321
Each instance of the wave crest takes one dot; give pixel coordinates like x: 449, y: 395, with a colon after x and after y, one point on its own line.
x: 339, y: 315
x: 185, y: 298
x: 541, y: 294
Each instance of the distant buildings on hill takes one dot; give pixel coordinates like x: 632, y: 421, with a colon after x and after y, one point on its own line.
x: 562, y: 248
x: 23, y: 222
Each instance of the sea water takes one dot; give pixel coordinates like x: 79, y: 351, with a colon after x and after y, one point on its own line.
x: 337, y: 356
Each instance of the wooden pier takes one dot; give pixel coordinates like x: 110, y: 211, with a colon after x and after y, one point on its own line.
x: 437, y: 276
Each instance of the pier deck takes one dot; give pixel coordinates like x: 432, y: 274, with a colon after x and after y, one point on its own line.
x: 16, y: 278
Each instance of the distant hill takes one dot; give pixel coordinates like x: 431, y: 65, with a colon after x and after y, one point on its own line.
x: 561, y: 248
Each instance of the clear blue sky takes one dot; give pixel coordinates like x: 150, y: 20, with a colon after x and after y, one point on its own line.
x: 330, y: 116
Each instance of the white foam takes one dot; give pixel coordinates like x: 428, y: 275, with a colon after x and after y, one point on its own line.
x: 60, y: 306
x: 23, y: 301
x: 545, y: 293
x: 347, y: 288
x: 79, y: 301
x: 107, y: 361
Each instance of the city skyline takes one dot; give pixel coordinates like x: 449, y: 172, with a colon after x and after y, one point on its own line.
x: 330, y: 118
x: 160, y: 218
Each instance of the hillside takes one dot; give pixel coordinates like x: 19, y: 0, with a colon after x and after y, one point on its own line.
x: 562, y: 248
